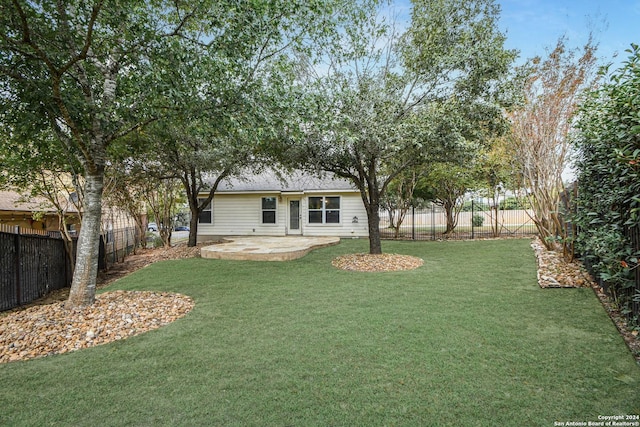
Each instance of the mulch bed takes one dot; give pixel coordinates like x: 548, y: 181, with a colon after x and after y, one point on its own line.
x: 555, y: 272
x: 376, y: 263
x: 51, y: 329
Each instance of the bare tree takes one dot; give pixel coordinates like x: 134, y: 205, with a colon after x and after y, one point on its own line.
x: 541, y: 131
x: 161, y: 198
x: 126, y: 190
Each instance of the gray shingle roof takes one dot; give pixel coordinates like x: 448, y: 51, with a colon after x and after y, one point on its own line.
x: 296, y: 181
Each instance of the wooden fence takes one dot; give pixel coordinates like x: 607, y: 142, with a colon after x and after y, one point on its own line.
x: 14, y: 229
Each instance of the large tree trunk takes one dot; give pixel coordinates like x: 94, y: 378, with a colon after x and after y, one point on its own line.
x: 452, y: 220
x: 373, y: 218
x: 83, y: 286
x: 194, y: 208
x: 193, y: 230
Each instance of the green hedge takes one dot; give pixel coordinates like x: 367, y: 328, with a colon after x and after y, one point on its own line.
x: 608, y: 140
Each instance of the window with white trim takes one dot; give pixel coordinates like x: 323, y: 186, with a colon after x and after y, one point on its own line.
x: 206, y: 216
x: 324, y: 210
x: 269, y: 210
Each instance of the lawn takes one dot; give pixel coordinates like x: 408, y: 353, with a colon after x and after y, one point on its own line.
x: 468, y: 339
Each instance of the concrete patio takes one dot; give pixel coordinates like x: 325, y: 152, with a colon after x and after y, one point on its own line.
x: 266, y: 248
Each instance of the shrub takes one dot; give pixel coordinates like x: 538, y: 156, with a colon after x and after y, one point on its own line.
x: 512, y: 203
x: 608, y: 140
x: 477, y: 220
x: 473, y: 206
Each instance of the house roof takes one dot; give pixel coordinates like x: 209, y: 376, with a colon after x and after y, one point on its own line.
x: 296, y: 181
x: 12, y: 201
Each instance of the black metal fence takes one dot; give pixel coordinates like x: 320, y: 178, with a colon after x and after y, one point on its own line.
x: 115, y: 245
x: 32, y: 264
x: 630, y: 294
x: 634, y: 293
x: 476, y: 220
x: 30, y: 267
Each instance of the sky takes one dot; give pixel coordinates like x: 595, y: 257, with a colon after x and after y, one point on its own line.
x: 534, y: 26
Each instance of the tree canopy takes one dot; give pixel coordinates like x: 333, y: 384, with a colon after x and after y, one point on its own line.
x: 375, y: 108
x: 84, y: 75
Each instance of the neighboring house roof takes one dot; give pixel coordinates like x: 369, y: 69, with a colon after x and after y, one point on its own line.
x: 12, y: 201
x: 297, y: 181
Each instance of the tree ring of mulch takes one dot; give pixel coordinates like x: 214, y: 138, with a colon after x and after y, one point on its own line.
x: 376, y: 262
x: 42, y: 330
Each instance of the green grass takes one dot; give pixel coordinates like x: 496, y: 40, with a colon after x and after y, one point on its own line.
x: 468, y: 339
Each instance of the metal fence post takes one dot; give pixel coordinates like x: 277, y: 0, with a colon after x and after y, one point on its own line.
x: 18, y: 266
x: 413, y: 222
x: 473, y: 212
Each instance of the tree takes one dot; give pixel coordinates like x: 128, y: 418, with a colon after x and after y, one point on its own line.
x: 449, y: 182
x: 541, y: 131
x: 495, y: 172
x: 126, y: 189
x: 56, y: 179
x: 235, y: 95
x: 87, y: 71
x: 94, y: 72
x: 366, y: 118
x: 399, y: 198
x: 162, y: 201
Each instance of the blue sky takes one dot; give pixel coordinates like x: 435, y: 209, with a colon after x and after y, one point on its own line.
x: 532, y: 26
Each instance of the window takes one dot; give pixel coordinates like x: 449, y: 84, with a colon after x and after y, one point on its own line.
x: 206, y: 214
x: 324, y: 210
x: 268, y: 210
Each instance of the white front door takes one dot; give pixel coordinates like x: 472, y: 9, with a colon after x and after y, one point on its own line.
x: 295, y: 217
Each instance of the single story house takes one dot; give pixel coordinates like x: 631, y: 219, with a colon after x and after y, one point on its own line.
x: 297, y: 204
x: 38, y: 214
x: 34, y: 213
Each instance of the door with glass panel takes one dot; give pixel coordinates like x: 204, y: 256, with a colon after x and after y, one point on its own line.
x: 294, y: 217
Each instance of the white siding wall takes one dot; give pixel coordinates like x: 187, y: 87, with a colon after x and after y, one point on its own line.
x: 241, y: 215
x: 350, y: 206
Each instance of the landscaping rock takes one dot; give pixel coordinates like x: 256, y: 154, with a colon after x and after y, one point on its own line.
x: 555, y: 272
x: 43, y: 330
